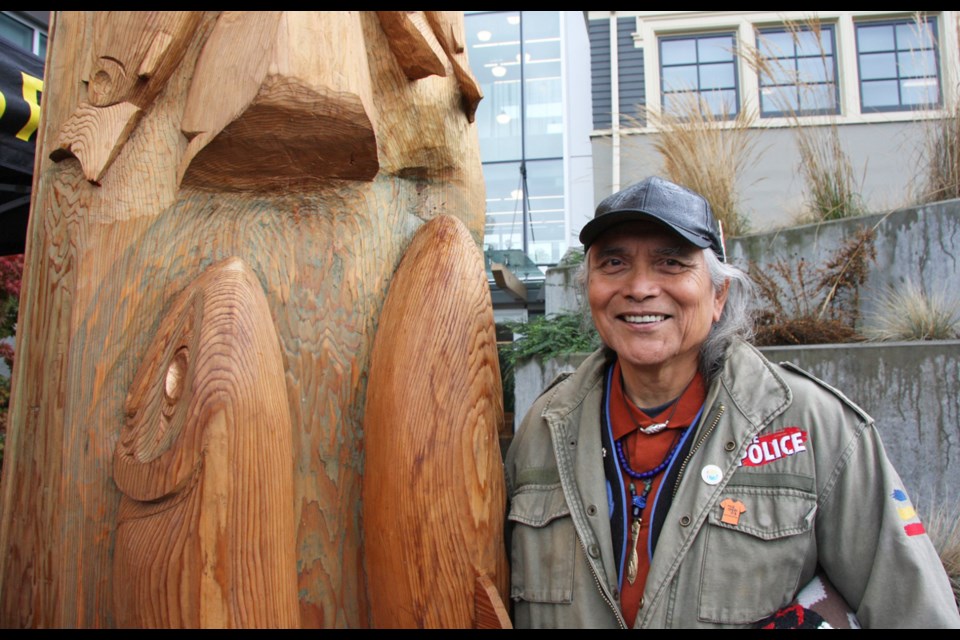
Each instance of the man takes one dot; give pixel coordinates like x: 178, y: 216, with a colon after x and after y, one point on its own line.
x: 678, y: 478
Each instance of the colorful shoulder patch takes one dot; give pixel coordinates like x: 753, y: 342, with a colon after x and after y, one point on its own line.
x: 907, y: 513
x: 773, y: 446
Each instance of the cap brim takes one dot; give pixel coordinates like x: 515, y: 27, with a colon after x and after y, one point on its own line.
x: 593, y: 229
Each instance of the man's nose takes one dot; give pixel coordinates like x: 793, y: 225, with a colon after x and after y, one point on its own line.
x: 641, y: 284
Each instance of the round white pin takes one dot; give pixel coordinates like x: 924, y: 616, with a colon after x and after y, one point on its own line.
x: 711, y: 474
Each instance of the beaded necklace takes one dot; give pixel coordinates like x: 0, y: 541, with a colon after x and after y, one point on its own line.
x: 643, y: 475
x: 638, y: 502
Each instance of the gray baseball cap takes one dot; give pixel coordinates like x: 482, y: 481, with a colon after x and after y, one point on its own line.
x: 683, y: 211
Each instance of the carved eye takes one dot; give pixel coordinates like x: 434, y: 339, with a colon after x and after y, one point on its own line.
x: 108, y: 84
x: 176, y: 374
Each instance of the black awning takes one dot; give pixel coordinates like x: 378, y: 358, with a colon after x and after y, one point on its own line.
x: 21, y: 86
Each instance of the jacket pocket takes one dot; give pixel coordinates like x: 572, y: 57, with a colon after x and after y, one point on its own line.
x: 543, y: 543
x: 754, y: 556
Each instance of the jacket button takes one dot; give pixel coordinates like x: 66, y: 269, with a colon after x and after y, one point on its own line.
x: 592, y: 510
x: 730, y: 446
x: 685, y: 521
x: 594, y: 551
x: 641, y: 602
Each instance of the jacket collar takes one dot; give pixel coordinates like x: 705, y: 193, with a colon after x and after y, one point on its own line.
x: 752, y: 383
x: 587, y: 379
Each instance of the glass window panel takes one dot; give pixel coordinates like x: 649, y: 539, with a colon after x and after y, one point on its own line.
x: 543, y: 128
x: 541, y: 24
x: 720, y: 103
x: 815, y: 43
x: 680, y: 102
x: 708, y: 67
x: 907, y: 76
x: 494, y: 44
x: 875, y: 38
x: 504, y: 221
x: 678, y: 52
x: 880, y: 94
x: 920, y: 91
x: 547, y: 240
x: 16, y: 32
x: 913, y: 36
x: 878, y: 65
x: 779, y: 100
x: 679, y: 79
x: 780, y: 74
x: 915, y: 64
x: 808, y: 68
x: 510, y: 139
x: 498, y: 122
x: 715, y: 49
x: 717, y: 76
x: 43, y: 46
x: 818, y: 98
x: 814, y: 70
x: 775, y: 44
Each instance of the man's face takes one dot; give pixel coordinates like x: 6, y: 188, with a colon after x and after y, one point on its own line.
x: 651, y: 298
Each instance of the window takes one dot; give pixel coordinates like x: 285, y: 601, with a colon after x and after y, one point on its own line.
x: 898, y: 64
x: 516, y: 58
x: 797, y: 71
x: 701, y: 68
x: 24, y: 35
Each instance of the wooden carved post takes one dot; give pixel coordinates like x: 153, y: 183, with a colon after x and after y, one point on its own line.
x: 220, y: 203
x: 205, y: 534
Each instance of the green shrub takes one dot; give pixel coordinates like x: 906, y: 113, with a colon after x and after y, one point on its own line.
x: 547, y: 337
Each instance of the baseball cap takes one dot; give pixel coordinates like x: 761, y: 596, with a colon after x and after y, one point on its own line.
x: 683, y: 211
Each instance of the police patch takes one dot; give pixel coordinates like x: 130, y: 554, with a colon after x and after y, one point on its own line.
x: 768, y: 448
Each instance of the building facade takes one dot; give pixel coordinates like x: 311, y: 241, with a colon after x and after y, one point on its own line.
x: 534, y: 128
x: 878, y: 77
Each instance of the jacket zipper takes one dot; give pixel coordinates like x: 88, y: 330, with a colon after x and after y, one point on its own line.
x: 697, y: 444
x: 561, y: 460
x: 596, y: 581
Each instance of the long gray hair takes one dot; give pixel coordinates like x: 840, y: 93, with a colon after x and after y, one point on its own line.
x: 736, y: 321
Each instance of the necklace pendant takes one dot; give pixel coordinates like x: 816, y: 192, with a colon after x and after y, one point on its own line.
x: 634, y: 563
x: 654, y: 428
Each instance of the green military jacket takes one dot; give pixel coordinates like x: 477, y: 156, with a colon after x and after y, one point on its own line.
x: 826, y: 498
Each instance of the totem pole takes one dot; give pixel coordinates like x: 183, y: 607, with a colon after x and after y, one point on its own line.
x: 257, y: 380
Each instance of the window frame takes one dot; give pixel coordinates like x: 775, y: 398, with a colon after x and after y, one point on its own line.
x: 696, y: 37
x: 934, y: 50
x: 38, y: 40
x: 786, y: 28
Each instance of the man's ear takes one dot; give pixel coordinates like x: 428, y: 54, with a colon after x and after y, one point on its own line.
x: 720, y: 300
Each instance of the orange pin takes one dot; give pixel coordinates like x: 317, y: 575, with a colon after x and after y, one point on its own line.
x: 731, y: 511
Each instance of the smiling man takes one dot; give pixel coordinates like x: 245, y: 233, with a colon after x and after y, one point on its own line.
x: 679, y: 479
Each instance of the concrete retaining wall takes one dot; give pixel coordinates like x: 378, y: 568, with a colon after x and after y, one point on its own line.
x: 920, y: 245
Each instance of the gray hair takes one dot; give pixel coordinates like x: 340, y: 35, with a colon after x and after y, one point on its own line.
x: 736, y: 321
